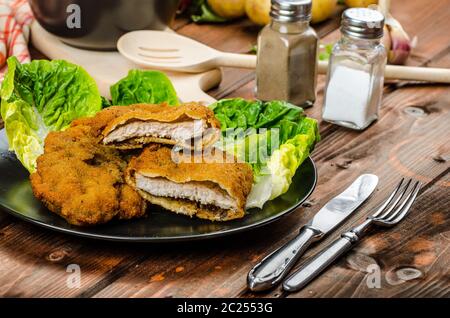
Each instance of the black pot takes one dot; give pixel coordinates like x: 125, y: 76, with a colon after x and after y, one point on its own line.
x: 98, y: 24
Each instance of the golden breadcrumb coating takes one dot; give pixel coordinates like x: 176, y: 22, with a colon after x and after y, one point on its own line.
x: 164, y: 114
x: 235, y: 178
x: 82, y: 180
x: 107, y: 115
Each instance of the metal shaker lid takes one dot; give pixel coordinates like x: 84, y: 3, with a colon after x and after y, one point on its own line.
x: 291, y: 10
x: 363, y: 23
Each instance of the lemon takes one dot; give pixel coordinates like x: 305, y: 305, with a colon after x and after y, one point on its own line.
x: 258, y: 11
x: 360, y: 3
x: 229, y: 9
x: 322, y: 10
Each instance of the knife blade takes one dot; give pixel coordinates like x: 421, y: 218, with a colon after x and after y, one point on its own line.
x: 339, y: 208
x: 274, y: 267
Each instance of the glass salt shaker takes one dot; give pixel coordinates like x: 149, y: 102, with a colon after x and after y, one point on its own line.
x: 356, y: 71
x: 287, y: 55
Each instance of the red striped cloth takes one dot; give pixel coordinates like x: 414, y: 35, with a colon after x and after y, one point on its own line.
x: 15, y: 21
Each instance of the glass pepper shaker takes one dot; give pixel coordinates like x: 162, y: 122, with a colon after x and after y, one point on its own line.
x: 356, y: 71
x: 287, y: 55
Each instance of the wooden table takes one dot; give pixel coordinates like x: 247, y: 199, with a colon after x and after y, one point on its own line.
x: 411, y: 139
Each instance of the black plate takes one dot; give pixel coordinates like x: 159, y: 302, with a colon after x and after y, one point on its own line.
x: 17, y: 199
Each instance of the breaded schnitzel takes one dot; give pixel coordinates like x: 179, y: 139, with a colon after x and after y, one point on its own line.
x: 189, y: 125
x: 82, y: 180
x: 80, y: 176
x: 208, y: 188
x: 107, y: 115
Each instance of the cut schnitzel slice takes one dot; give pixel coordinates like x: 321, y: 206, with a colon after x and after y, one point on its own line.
x: 189, y: 125
x: 83, y: 180
x: 107, y: 115
x: 208, y: 188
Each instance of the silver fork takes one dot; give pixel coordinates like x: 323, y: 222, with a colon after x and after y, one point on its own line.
x: 391, y: 212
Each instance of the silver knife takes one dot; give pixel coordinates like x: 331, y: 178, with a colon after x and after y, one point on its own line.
x: 274, y: 267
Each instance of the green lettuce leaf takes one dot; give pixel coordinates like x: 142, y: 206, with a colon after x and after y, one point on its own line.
x: 43, y: 96
x: 202, y: 13
x: 105, y: 102
x: 273, y: 137
x: 325, y: 51
x: 274, y: 177
x: 240, y: 113
x: 285, y: 161
x: 143, y: 87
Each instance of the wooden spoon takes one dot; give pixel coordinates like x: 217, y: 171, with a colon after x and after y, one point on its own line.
x: 171, y: 51
x: 174, y: 52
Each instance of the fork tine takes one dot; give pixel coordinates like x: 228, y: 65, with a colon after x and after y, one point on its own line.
x: 399, y: 197
x: 406, y: 205
x: 388, y: 200
x: 401, y: 200
x: 400, y: 193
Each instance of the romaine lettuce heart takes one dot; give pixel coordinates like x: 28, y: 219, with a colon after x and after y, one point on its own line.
x: 276, y: 152
x: 138, y: 86
x: 40, y: 97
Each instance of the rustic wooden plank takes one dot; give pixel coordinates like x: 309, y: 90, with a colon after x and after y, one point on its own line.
x: 34, y: 262
x: 413, y: 259
x: 405, y: 141
x: 180, y: 22
x: 397, y: 141
x: 409, y: 157
x: 395, y: 126
x: 39, y: 253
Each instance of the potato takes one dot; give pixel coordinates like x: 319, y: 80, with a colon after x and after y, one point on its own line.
x: 258, y: 11
x: 322, y: 10
x: 229, y: 9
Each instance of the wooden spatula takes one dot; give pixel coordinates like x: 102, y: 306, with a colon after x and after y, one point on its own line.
x: 171, y: 51
x: 174, y: 52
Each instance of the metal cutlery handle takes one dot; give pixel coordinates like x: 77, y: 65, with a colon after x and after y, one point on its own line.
x: 320, y: 262
x: 274, y: 267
